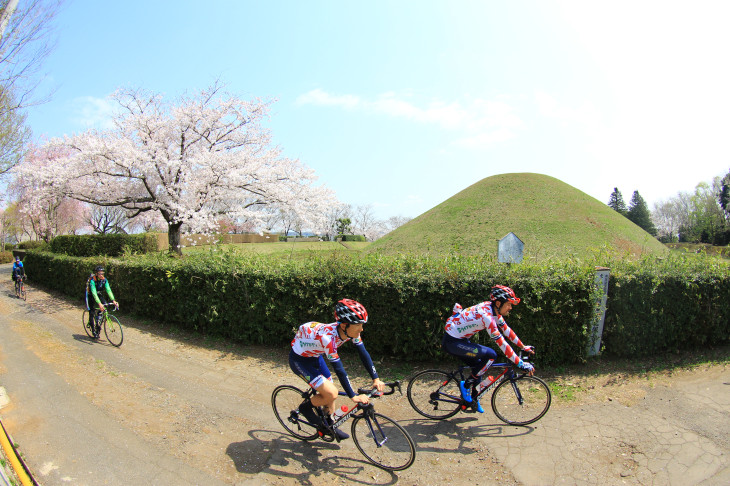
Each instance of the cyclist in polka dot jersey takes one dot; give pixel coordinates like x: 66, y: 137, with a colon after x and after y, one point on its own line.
x: 313, y: 342
x: 489, y: 315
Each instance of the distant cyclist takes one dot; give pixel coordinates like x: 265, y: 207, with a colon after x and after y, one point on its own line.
x: 18, y: 269
x: 313, y: 341
x: 465, y: 323
x: 95, y: 286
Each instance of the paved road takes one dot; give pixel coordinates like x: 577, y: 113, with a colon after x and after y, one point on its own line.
x: 159, y: 410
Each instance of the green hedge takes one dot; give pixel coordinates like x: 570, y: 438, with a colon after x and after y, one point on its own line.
x: 108, y: 245
x: 31, y: 245
x: 653, y: 307
x: 660, y: 305
x: 354, y: 238
x: 261, y: 301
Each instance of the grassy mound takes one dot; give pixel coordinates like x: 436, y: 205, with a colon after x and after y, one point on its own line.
x: 552, y: 218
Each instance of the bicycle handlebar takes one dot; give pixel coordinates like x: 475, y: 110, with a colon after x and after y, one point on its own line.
x: 373, y: 392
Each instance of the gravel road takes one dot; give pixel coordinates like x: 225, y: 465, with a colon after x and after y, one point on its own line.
x: 165, y: 409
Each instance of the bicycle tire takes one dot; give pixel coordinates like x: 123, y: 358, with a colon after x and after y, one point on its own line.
x: 85, y: 323
x: 285, y: 400
x: 17, y: 289
x: 434, y: 394
x: 396, y: 450
x: 536, y: 398
x: 113, y: 330
x: 23, y: 294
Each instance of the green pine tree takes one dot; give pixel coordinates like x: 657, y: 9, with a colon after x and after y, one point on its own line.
x: 639, y: 214
x: 725, y: 195
x: 616, y: 202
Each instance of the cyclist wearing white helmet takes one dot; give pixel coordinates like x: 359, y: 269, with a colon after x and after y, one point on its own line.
x: 313, y: 341
x: 465, y: 323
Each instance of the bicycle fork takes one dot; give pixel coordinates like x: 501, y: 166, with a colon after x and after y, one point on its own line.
x: 370, y: 419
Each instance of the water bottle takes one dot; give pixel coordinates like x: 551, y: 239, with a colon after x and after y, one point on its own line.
x: 486, y: 381
x: 339, y: 413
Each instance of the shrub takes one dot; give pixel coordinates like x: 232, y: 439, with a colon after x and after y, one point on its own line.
x: 654, y: 305
x: 353, y: 238
x: 32, y: 245
x: 6, y: 257
x: 104, y: 245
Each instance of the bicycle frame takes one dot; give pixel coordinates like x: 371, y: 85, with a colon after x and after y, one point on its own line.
x: 366, y: 409
x: 509, y: 373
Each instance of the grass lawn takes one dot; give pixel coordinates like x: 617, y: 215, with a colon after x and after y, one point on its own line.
x: 299, y: 250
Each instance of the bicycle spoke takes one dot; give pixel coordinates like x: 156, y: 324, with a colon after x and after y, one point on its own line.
x: 113, y: 330
x: 85, y: 323
x: 285, y: 401
x: 522, y: 401
x: 383, y: 442
x: 434, y: 394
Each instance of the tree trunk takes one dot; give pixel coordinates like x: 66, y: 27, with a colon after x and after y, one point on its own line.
x: 173, y: 238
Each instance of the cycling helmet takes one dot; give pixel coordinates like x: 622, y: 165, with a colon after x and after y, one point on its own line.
x: 17, y: 258
x: 98, y: 269
x: 503, y: 294
x: 350, y: 312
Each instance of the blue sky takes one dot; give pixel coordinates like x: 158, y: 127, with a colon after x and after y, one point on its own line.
x: 402, y: 104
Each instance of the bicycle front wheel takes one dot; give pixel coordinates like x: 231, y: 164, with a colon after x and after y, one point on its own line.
x: 17, y: 289
x: 383, y: 442
x: 521, y: 401
x: 434, y: 394
x: 285, y: 401
x: 85, y: 323
x: 113, y: 331
x: 23, y: 295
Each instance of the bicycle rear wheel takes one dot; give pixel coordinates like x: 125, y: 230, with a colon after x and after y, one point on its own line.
x: 383, y: 442
x: 521, y: 401
x: 85, y: 323
x: 434, y: 394
x: 285, y: 401
x: 113, y: 331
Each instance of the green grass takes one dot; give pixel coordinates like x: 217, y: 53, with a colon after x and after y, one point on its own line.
x: 700, y: 248
x: 298, y: 251
x: 552, y: 218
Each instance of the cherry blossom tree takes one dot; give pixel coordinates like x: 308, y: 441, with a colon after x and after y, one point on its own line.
x: 41, y: 211
x: 148, y: 222
x: 192, y: 161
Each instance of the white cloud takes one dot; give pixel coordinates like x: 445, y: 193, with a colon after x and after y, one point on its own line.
x: 321, y: 98
x: 92, y: 112
x: 480, y: 122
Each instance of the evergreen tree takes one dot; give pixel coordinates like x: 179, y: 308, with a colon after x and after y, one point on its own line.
x: 639, y: 214
x: 616, y: 202
x: 725, y: 195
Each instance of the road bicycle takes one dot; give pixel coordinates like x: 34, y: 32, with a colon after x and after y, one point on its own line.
x: 380, y: 439
x: 20, y: 287
x: 517, y: 398
x: 112, y: 326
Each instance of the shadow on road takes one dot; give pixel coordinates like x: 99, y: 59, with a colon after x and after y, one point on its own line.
x: 279, y: 455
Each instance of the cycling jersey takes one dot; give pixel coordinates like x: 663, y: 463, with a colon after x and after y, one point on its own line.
x: 465, y: 323
x: 18, y: 269
x: 94, y: 287
x: 315, y: 339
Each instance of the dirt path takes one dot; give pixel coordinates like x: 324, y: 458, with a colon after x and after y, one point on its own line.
x: 164, y: 409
